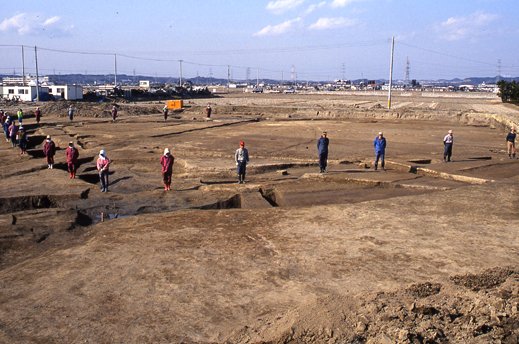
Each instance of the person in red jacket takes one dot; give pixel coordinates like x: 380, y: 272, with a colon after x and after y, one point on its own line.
x: 166, y: 160
x: 49, y: 150
x: 72, y: 155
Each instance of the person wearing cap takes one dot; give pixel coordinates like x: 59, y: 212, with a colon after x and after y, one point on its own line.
x: 37, y: 114
x: 13, y: 132
x: 208, y: 111
x: 72, y: 155
x: 241, y: 157
x: 380, y: 150
x: 166, y: 161
x: 448, y: 142
x: 23, y: 140
x: 322, y: 150
x: 49, y: 150
x: 510, y: 143
x: 114, y: 113
x: 102, y: 167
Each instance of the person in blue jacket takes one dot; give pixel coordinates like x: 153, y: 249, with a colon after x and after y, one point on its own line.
x: 322, y: 150
x: 380, y: 150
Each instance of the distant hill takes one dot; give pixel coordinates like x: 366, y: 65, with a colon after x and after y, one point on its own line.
x: 101, y: 79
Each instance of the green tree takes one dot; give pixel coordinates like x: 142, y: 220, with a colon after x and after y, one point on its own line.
x: 508, y: 91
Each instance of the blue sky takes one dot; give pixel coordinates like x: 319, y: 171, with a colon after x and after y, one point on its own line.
x: 303, y: 39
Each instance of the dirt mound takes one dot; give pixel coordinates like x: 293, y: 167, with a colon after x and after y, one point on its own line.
x: 86, y: 109
x: 421, y: 313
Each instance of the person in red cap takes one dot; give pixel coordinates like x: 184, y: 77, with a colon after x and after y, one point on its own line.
x: 166, y: 160
x: 72, y: 155
x: 241, y: 157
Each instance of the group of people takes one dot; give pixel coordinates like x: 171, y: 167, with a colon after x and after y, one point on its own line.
x: 17, y: 135
x: 14, y: 133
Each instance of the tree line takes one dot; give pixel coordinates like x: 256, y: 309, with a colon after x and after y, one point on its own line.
x: 508, y: 91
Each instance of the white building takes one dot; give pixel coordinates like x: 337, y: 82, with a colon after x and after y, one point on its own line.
x: 68, y: 92
x: 144, y: 84
x: 23, y: 93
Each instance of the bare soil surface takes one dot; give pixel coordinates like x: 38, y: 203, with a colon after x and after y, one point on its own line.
x: 424, y: 252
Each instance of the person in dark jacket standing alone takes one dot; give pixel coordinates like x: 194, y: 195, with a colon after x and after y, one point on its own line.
x: 166, y: 160
x: 322, y: 150
x: 37, y: 114
x: 49, y: 150
x: 72, y: 155
x: 510, y: 143
x: 448, y: 142
x: 241, y: 157
x: 380, y: 150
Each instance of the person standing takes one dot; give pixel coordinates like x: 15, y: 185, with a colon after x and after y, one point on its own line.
x: 380, y: 150
x: 70, y: 113
x: 49, y: 150
x: 166, y: 160
x: 448, y: 142
x: 241, y: 157
x: 208, y: 111
x: 72, y: 155
x: 510, y: 143
x: 37, y: 114
x: 322, y: 150
x: 102, y: 167
x: 6, y: 126
x: 165, y: 112
x: 23, y: 140
x: 114, y: 113
x: 20, y: 116
x: 13, y: 132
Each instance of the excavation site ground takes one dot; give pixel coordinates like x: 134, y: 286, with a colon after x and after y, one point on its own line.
x: 423, y: 252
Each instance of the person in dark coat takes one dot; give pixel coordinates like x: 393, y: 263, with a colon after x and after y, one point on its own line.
x: 49, y: 150
x: 114, y: 113
x: 208, y: 111
x: 380, y: 150
x: 165, y: 112
x: 166, y: 161
x: 37, y: 114
x: 322, y: 150
x: 72, y: 155
x: 23, y: 140
x: 510, y: 143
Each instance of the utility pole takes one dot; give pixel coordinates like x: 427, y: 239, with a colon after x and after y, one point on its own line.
x: 37, y: 77
x: 23, y: 67
x: 391, y: 73
x: 115, y: 69
x: 180, y: 79
x: 257, y: 77
x: 228, y: 77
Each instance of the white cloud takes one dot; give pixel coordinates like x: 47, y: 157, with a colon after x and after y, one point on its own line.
x: 272, y: 30
x: 457, y: 28
x: 31, y: 23
x: 342, y: 3
x: 332, y: 23
x: 51, y: 21
x: 314, y: 7
x: 280, y: 6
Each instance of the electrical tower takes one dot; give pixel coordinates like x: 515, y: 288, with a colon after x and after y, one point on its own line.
x: 293, y: 74
x: 248, y: 75
x: 407, y: 69
x: 343, y: 71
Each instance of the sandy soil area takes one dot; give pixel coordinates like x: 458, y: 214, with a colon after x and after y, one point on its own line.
x: 424, y: 252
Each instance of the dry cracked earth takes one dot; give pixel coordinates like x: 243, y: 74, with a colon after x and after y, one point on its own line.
x: 424, y: 252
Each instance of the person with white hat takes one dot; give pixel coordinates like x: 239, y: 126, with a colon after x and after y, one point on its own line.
x: 510, y: 143
x: 448, y: 142
x: 380, y: 150
x: 49, y: 150
x: 102, y: 167
x: 166, y: 160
